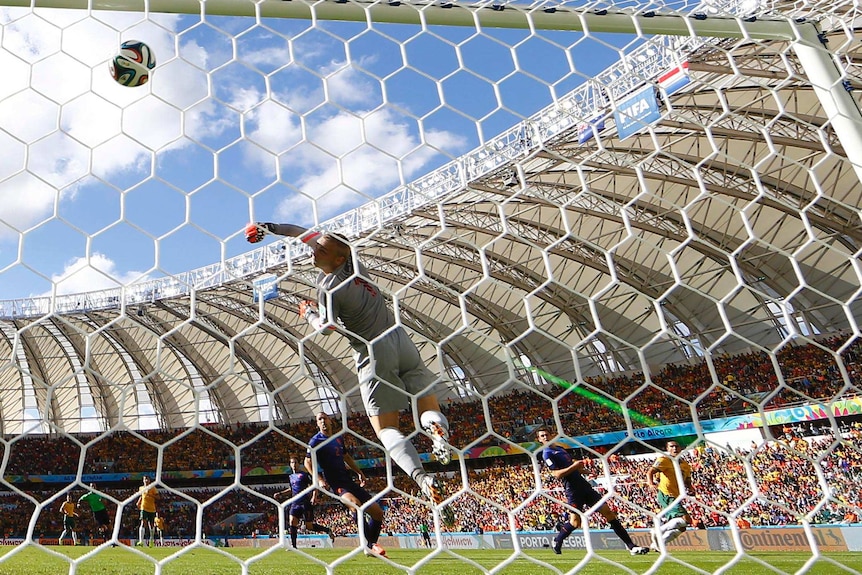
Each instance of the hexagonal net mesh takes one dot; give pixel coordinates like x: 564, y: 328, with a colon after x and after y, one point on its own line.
x: 620, y: 223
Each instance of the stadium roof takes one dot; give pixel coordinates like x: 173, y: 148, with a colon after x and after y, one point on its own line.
x: 732, y: 217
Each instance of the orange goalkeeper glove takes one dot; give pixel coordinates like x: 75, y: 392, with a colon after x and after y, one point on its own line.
x: 306, y: 306
x: 255, y: 231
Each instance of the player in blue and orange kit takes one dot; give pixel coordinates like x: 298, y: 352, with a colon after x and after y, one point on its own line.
x: 302, y: 505
x: 335, y: 466
x: 579, y: 493
x: 389, y: 366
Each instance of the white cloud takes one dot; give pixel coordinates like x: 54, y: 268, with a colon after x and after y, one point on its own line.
x: 348, y: 86
x: 98, y: 116
x: 206, y: 121
x: 244, y: 98
x: 265, y: 58
x: 28, y: 116
x: 96, y: 273
x: 24, y: 201
x: 60, y: 161
x: 367, y: 153
x: 275, y: 129
x: 196, y: 54
x: 369, y: 167
x: 37, y: 118
x: 354, y: 155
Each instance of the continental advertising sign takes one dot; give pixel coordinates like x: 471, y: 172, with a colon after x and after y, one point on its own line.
x: 782, y: 539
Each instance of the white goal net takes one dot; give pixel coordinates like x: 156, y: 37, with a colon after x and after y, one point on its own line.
x: 626, y: 221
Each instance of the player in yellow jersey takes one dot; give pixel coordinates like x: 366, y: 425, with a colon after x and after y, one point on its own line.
x: 676, y: 517
x: 147, y: 496
x: 159, y: 522
x: 69, y: 510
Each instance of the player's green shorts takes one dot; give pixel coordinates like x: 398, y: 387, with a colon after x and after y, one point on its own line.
x: 148, y: 516
x: 674, y: 508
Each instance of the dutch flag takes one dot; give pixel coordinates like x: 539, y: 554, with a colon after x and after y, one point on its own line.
x: 674, y: 79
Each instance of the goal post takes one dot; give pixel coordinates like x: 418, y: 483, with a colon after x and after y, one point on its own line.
x: 545, y: 16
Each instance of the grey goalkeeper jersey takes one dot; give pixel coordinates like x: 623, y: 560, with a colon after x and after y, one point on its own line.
x: 356, y: 301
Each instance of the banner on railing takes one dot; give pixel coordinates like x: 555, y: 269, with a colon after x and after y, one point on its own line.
x: 636, y: 112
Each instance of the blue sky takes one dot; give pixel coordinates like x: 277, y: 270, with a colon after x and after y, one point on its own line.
x: 103, y: 185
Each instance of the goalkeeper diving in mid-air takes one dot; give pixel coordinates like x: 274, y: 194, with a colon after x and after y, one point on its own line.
x: 389, y: 366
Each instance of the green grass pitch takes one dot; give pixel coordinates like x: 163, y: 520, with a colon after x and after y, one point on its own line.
x: 207, y: 561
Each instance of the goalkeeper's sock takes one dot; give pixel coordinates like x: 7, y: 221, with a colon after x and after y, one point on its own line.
x: 294, y: 530
x: 402, y: 451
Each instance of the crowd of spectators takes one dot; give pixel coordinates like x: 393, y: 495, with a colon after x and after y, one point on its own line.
x: 788, y: 483
x: 809, y: 372
x: 782, y: 482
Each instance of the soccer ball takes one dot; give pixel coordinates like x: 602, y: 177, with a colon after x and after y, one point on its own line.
x: 132, y: 66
